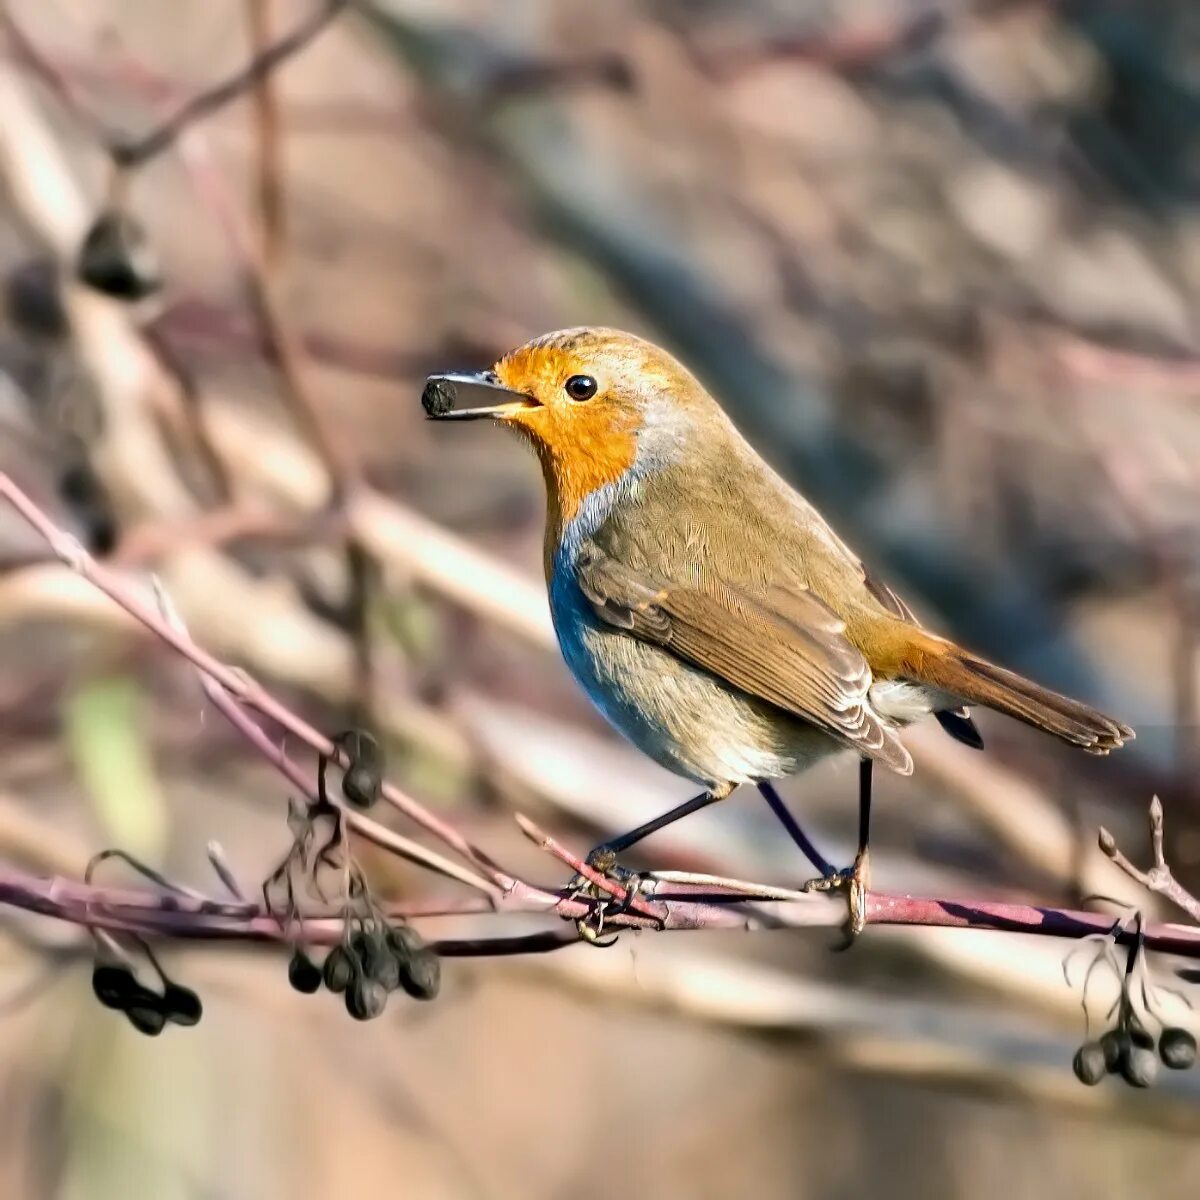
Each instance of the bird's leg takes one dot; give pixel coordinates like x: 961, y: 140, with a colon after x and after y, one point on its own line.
x: 603, y: 858
x: 797, y: 834
x: 856, y: 878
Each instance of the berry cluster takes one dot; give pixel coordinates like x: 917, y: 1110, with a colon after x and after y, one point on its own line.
x: 367, y: 966
x: 375, y: 957
x: 148, y: 1010
x: 1129, y: 1049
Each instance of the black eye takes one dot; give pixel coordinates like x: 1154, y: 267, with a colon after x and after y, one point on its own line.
x: 580, y: 387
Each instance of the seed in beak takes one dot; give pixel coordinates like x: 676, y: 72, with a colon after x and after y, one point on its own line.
x: 438, y: 397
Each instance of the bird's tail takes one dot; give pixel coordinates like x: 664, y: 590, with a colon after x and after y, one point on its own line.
x: 939, y: 663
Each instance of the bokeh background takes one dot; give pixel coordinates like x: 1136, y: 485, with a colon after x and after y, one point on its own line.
x: 940, y: 261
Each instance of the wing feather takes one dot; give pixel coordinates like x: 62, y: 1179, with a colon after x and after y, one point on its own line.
x: 783, y: 646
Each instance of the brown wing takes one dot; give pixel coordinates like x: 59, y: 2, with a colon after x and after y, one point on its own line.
x: 785, y: 647
x: 957, y: 722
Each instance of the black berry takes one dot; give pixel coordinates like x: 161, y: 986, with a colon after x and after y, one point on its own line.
x: 1177, y: 1049
x: 304, y: 974
x: 366, y: 999
x: 1088, y: 1064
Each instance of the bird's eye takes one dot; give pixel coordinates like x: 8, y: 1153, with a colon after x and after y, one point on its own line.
x: 580, y: 387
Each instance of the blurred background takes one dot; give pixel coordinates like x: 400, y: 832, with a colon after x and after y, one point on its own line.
x: 940, y: 261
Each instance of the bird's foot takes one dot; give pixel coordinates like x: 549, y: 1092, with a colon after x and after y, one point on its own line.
x: 856, y: 881
x: 603, y: 861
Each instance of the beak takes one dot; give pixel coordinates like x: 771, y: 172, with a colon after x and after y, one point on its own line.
x: 443, y: 393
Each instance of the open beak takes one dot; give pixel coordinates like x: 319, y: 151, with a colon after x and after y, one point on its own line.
x: 490, y: 398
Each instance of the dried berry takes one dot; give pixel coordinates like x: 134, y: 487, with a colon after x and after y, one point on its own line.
x: 438, y: 397
x: 421, y: 976
x: 304, y: 974
x: 360, y: 785
x: 33, y: 299
x: 1140, y: 1036
x: 1177, y: 1049
x: 338, y: 970
x: 148, y: 1020
x: 1115, y: 1044
x: 116, y: 258
x: 386, y: 968
x: 182, y: 1005
x: 364, y: 775
x: 365, y: 999
x: 113, y: 984
x: 1140, y: 1067
x: 403, y: 941
x: 1088, y: 1064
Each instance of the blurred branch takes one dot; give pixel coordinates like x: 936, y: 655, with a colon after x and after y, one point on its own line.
x: 1159, y: 878
x: 260, y: 16
x: 943, y: 1040
x: 69, y: 551
x: 848, y: 48
x: 130, y: 153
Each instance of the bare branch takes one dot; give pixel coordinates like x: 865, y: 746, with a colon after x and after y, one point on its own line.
x: 1159, y: 878
x: 154, y: 912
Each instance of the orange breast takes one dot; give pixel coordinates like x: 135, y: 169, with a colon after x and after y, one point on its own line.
x: 575, y: 468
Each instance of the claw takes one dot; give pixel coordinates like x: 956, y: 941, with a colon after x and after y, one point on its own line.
x: 603, y: 860
x: 856, y: 882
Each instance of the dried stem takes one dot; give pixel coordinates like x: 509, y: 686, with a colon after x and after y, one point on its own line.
x: 245, y: 690
x: 260, y: 16
x: 372, y: 831
x: 131, y: 153
x: 138, y: 152
x: 169, y: 914
x: 1159, y: 878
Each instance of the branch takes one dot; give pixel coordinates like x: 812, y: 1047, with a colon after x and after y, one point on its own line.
x: 238, y: 685
x: 724, y: 909
x: 136, y: 153
x: 131, y: 153
x: 169, y: 914
x: 1159, y: 878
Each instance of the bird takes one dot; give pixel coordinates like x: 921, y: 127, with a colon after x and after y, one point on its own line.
x: 708, y: 610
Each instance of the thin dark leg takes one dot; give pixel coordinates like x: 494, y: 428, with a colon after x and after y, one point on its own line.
x: 865, y: 776
x: 695, y: 804
x: 797, y: 834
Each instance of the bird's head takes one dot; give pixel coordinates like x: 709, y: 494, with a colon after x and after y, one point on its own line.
x: 595, y: 403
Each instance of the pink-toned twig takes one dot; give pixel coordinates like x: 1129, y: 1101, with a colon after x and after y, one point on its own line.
x: 372, y: 831
x: 239, y: 685
x: 150, y: 911
x: 581, y: 867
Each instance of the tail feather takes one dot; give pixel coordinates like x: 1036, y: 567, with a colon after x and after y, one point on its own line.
x: 965, y: 676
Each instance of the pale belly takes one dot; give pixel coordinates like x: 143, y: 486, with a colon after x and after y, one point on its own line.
x: 682, y: 717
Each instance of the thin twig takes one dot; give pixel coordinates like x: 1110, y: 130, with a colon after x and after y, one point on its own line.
x: 130, y: 153
x: 370, y: 830
x: 581, y: 867
x: 260, y: 16
x: 154, y: 912
x: 1159, y: 878
x: 60, y: 83
x: 137, y: 152
x: 240, y: 686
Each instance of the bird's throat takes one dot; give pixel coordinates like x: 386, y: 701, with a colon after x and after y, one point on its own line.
x: 572, y: 479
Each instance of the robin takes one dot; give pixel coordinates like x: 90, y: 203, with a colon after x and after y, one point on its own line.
x: 707, y: 609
